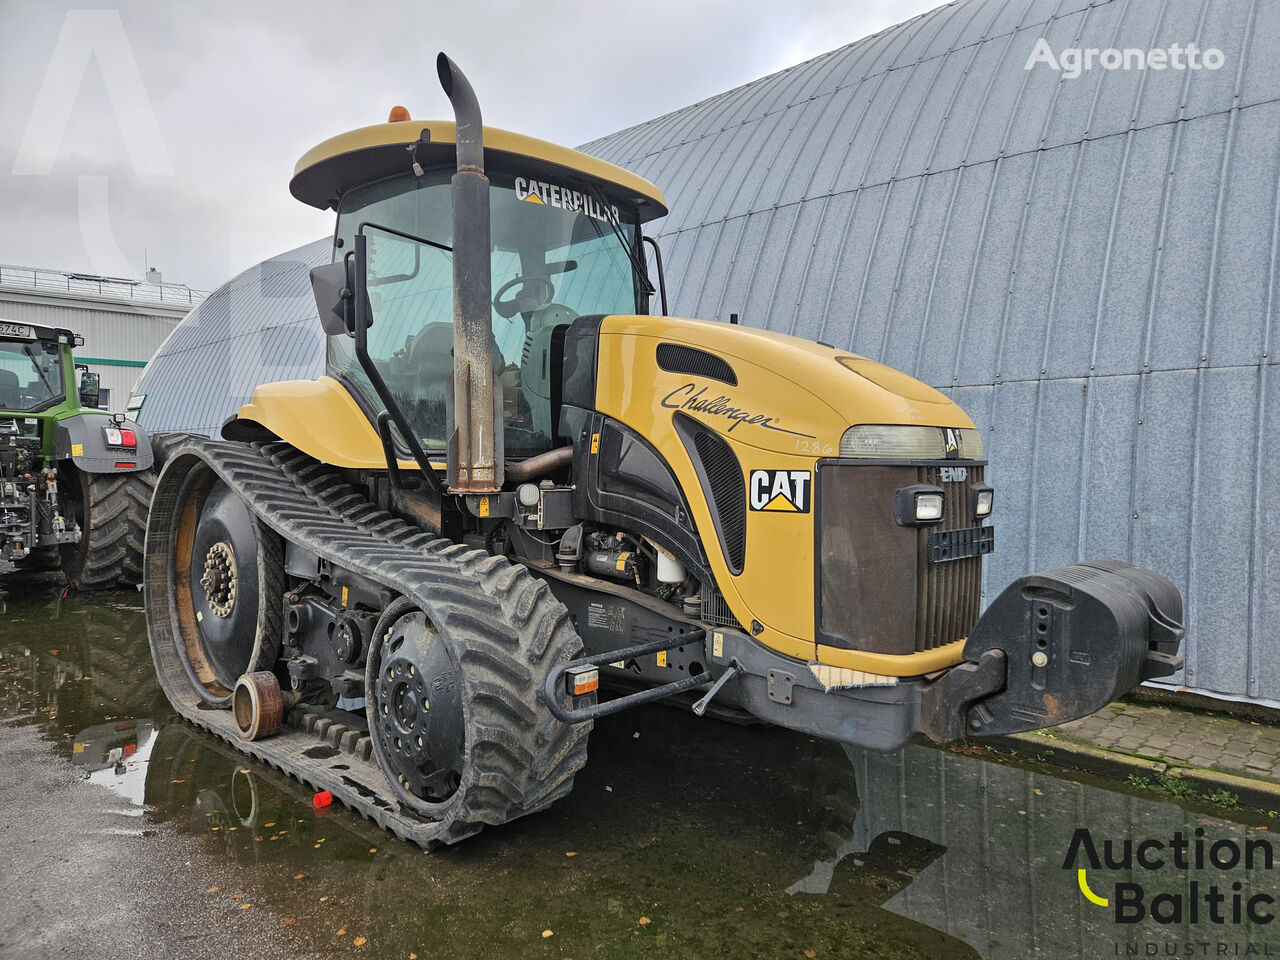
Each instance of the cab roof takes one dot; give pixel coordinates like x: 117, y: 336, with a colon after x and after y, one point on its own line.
x: 361, y: 156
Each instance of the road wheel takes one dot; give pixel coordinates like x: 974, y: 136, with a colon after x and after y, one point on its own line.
x: 455, y: 715
x: 111, y: 509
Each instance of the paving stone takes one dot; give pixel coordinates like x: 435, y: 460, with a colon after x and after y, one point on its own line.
x: 1248, y: 748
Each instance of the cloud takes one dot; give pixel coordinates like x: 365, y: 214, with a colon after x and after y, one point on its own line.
x: 240, y: 90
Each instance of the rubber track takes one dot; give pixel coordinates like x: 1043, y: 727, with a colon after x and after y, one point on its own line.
x: 508, y: 629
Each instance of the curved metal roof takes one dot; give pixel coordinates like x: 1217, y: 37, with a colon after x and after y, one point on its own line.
x: 1087, y: 265
x: 259, y: 327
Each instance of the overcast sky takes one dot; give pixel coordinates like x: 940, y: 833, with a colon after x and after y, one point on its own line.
x: 170, y: 129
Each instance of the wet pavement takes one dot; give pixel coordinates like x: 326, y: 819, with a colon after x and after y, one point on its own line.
x: 126, y: 832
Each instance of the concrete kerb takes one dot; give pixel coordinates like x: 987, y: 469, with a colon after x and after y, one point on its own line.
x: 1261, y: 794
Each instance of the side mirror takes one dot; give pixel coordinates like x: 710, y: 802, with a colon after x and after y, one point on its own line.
x: 333, y: 286
x: 89, y: 388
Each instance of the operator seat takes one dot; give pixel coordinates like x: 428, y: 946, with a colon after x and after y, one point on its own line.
x: 431, y: 357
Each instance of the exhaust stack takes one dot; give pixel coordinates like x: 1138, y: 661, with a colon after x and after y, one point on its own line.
x: 475, y: 439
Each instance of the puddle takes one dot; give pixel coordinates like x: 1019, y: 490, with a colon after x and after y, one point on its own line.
x: 682, y: 838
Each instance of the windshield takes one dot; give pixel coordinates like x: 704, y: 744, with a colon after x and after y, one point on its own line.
x: 555, y: 256
x: 30, y: 375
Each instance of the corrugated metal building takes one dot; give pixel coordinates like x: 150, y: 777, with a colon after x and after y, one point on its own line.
x: 260, y: 327
x: 122, y: 321
x: 1086, y: 264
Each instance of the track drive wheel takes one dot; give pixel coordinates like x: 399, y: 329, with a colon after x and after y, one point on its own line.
x: 111, y: 509
x: 215, y: 582
x: 455, y: 717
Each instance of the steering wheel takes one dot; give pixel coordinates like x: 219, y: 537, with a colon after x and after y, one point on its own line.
x: 527, y: 299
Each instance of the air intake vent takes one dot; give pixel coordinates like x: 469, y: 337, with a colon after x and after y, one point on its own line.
x: 675, y: 358
x: 722, y: 475
x: 715, y: 610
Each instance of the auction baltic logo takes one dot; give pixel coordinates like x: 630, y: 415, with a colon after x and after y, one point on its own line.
x: 1201, y: 900
x: 1073, y: 61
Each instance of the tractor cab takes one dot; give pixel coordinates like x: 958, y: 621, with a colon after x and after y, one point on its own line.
x: 564, y: 242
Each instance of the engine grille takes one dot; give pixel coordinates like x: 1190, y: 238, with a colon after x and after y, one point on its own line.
x: 878, y: 589
x: 949, y: 593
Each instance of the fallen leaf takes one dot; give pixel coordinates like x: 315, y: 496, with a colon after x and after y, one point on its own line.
x: 212, y: 890
x: 810, y: 954
x: 359, y: 941
x: 177, y: 781
x: 245, y: 906
x: 297, y: 876
x: 323, y: 899
x: 413, y: 956
x: 373, y: 849
x: 237, y: 896
x: 342, y: 931
x: 548, y: 933
x: 314, y: 846
x: 289, y: 923
x: 645, y: 921
x: 271, y: 824
x: 571, y: 853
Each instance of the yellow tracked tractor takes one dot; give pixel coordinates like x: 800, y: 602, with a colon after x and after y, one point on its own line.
x: 405, y: 581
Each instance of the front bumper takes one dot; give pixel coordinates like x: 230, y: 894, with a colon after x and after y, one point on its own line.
x: 1053, y: 647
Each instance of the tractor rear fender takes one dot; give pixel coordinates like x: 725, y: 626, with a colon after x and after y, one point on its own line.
x: 82, y: 440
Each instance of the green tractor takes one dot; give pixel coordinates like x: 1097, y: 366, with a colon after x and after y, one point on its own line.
x: 75, y: 482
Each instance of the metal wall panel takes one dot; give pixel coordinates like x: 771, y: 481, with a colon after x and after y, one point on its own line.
x: 1087, y: 266
x: 117, y: 334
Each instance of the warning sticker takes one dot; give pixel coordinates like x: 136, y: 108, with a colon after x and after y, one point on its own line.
x: 607, y: 616
x: 780, y: 491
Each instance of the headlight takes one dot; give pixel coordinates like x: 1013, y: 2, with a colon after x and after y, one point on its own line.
x: 917, y: 505
x: 928, y: 506
x: 981, y: 499
x: 892, y: 442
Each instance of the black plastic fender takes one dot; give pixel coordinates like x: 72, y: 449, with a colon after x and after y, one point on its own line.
x: 1072, y: 640
x: 81, y: 440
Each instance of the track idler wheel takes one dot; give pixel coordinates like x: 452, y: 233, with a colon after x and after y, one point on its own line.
x: 257, y: 705
x: 215, y: 576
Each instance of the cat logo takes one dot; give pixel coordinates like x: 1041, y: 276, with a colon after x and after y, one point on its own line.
x: 780, y: 491
x: 953, y: 443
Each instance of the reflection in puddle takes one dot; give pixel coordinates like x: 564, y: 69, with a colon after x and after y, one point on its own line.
x: 683, y: 837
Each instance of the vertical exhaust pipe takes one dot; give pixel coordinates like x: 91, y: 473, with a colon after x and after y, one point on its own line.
x: 475, y: 440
